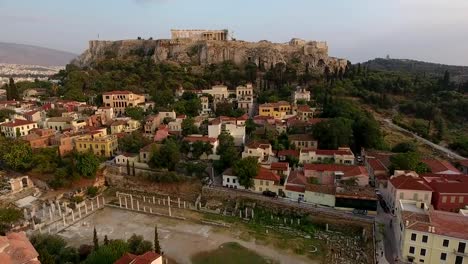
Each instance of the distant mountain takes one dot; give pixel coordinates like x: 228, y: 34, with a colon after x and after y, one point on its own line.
x: 33, y: 55
x: 458, y: 73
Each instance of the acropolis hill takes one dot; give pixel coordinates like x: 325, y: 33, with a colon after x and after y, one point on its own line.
x: 203, y: 47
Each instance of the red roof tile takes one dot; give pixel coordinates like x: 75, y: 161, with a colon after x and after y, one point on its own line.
x: 295, y: 188
x: 331, y: 152
x: 279, y: 166
x: 409, y: 183
x: 288, y: 152
x: 437, y: 166
x: 266, y: 174
x: 296, y: 178
x: 17, y: 122
x: 257, y: 144
x: 376, y: 164
x: 304, y: 108
x: 319, y: 188
x: 464, y: 162
x: 203, y: 139
x: 146, y: 258
x: 117, y: 92
x: 348, y: 170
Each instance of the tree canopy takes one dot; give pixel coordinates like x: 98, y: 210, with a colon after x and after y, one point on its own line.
x: 246, y: 169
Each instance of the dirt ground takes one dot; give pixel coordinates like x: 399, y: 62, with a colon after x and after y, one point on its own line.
x: 179, y: 239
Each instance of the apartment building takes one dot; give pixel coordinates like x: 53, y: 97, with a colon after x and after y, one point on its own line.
x: 17, y: 128
x: 338, y: 156
x: 244, y: 96
x: 425, y: 235
x: 119, y: 100
x: 277, y: 110
x: 406, y: 186
x: 98, y: 142
x: 301, y: 141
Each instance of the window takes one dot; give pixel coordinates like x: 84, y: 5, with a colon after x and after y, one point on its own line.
x: 261, y: 182
x: 411, y: 250
x: 423, y: 252
x: 413, y: 237
x: 424, y: 239
x: 445, y: 243
x: 452, y: 199
x: 233, y: 180
x: 444, y: 199
x: 461, y: 247
x: 426, y: 197
x: 402, y: 195
x: 459, y: 260
x: 443, y: 256
x: 415, y: 196
x: 460, y: 199
x: 227, y: 180
x: 260, y: 189
x: 421, y: 260
x: 267, y: 183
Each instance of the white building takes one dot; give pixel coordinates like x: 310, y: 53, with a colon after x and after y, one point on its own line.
x: 244, y: 96
x: 17, y: 128
x: 301, y: 94
x: 230, y: 180
x: 107, y: 112
x: 339, y: 156
x: 262, y: 151
x: 234, y: 129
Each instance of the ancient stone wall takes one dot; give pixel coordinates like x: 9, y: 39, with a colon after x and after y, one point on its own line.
x: 204, y: 52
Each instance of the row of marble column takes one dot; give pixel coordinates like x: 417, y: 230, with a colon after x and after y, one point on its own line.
x: 128, y: 201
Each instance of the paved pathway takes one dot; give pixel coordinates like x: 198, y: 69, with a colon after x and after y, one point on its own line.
x: 445, y: 150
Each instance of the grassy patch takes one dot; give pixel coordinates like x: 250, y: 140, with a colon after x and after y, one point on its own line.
x: 229, y: 253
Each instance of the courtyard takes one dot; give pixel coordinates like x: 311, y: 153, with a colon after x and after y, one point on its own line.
x: 180, y: 240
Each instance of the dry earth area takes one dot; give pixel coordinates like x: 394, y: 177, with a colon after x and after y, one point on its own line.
x: 179, y: 239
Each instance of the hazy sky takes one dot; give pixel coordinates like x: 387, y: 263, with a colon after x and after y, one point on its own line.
x: 430, y: 30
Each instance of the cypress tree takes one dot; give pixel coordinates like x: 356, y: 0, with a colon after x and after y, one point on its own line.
x: 157, y: 247
x: 95, y: 240
x: 128, y: 167
x: 106, y: 240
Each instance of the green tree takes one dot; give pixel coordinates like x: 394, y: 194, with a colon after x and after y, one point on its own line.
x: 87, y: 164
x: 53, y: 249
x: 95, y: 240
x: 227, y: 152
x: 200, y: 147
x: 167, y: 156
x: 106, y: 240
x: 137, y: 245
x: 16, y: 154
x: 246, y: 170
x: 157, y: 247
x: 45, y: 160
x: 250, y: 126
x: 8, y: 216
x: 133, y: 142
x: 189, y: 127
x: 108, y: 254
x: 337, y: 132
x: 12, y: 90
x: 5, y: 114
x: 135, y: 113
x: 407, y: 146
x: 408, y: 161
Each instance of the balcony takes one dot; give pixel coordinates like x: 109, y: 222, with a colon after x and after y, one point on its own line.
x: 458, y: 253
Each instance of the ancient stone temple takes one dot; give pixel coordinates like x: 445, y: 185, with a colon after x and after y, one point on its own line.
x: 199, y: 34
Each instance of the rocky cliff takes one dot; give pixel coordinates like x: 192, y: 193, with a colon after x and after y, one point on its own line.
x: 264, y: 53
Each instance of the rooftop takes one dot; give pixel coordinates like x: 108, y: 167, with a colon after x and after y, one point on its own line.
x: 266, y: 174
x: 16, y: 248
x: 117, y: 92
x: 438, y: 166
x: 348, y: 170
x: 17, y: 122
x: 200, y: 138
x: 409, y: 183
x: 301, y: 137
x: 279, y: 166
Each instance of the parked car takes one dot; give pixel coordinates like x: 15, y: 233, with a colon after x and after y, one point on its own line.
x: 269, y: 193
x: 359, y: 212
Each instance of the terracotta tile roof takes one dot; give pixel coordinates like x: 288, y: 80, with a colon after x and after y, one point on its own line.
x: 117, y: 92
x: 288, y: 152
x: 356, y: 192
x: 301, y: 137
x: 313, y: 121
x: 437, y: 166
x: 60, y: 119
x: 304, y: 108
x: 376, y: 164
x: 284, y: 166
x: 119, y: 123
x: 126, y: 259
x: 409, y: 183
x: 348, y: 170
x: 277, y: 104
x: 331, y: 152
x: 266, y: 174
x: 258, y: 144
x: 447, y: 183
x: 443, y: 223
x: 203, y: 139
x: 146, y: 258
x: 296, y: 178
x: 464, y: 162
x: 30, y: 113
x: 383, y: 157
x: 16, y: 248
x: 318, y: 188
x: 17, y: 122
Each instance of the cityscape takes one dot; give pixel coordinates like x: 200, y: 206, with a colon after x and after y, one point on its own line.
x: 199, y: 146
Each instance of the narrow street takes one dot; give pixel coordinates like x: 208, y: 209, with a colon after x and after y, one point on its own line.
x: 390, y: 246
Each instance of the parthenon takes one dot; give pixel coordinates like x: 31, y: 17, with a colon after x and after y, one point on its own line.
x: 199, y: 34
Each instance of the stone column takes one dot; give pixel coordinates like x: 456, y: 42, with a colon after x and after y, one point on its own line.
x: 103, y: 201
x: 64, y: 222
x: 59, y: 208
x: 86, y: 208
x: 169, y: 201
x: 131, y: 201
x: 126, y: 205
x: 138, y: 205
x: 178, y: 201
x: 97, y: 201
x: 154, y: 201
x: 92, y: 206
x: 79, y: 211
x: 120, y: 201
x: 73, y: 216
x: 50, y: 214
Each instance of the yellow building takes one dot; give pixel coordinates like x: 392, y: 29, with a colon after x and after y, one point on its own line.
x: 277, y: 110
x: 267, y: 180
x: 119, y: 100
x: 429, y: 236
x: 98, y: 142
